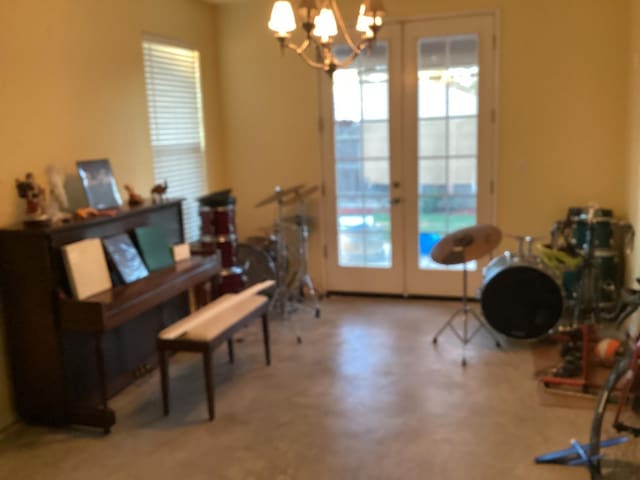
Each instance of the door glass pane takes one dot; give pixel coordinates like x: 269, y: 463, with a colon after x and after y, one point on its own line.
x: 447, y: 139
x: 361, y: 138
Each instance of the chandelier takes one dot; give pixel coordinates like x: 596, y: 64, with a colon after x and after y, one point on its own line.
x: 321, y: 26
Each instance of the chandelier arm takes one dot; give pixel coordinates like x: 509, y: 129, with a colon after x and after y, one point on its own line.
x: 347, y: 61
x: 342, y: 27
x: 300, y: 51
x: 310, y: 62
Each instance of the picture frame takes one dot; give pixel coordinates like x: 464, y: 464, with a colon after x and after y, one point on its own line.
x: 99, y: 184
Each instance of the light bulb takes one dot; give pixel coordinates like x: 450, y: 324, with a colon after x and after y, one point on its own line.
x: 364, y: 21
x: 282, y: 20
x: 326, y: 26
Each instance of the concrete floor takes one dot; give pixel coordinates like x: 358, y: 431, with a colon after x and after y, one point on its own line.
x: 367, y: 396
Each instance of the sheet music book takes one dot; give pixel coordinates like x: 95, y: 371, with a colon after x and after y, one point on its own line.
x: 154, y: 247
x: 125, y: 257
x: 86, y: 267
x: 99, y: 184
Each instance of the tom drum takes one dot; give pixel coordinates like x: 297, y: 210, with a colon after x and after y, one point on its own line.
x: 520, y: 297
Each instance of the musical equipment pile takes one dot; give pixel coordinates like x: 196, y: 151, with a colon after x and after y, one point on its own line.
x: 566, y: 286
x: 525, y: 293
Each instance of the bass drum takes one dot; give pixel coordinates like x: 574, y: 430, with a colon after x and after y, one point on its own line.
x: 520, y: 297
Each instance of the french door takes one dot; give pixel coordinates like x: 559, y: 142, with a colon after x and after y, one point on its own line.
x: 409, y: 156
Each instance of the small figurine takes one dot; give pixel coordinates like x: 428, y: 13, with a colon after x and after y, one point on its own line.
x: 35, y: 197
x: 158, y: 191
x: 135, y: 199
x: 58, y: 196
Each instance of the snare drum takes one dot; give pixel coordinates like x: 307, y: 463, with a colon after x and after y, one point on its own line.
x: 227, y: 245
x: 224, y: 220
x: 521, y: 297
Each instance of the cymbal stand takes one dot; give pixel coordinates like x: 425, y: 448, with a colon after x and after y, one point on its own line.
x: 303, y: 278
x: 466, y: 311
x: 280, y: 300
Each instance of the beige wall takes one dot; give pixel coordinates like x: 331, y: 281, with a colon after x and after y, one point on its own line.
x: 563, y: 92
x: 72, y: 87
x: 634, y: 136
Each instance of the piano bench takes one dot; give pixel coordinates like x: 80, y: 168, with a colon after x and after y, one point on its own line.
x: 204, y: 330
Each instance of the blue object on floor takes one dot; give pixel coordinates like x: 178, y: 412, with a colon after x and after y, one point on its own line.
x: 575, y: 455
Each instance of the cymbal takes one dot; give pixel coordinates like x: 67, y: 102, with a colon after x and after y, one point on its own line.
x: 467, y: 244
x: 279, y: 194
x: 301, y: 195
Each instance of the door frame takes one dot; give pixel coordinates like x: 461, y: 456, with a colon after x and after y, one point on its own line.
x: 326, y: 144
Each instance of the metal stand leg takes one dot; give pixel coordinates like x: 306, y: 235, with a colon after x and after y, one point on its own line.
x: 465, y: 311
x: 280, y: 305
x: 312, y: 293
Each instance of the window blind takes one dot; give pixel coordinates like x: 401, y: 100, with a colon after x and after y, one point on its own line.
x: 174, y: 100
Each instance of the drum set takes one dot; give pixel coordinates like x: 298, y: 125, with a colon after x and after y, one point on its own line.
x: 574, y: 280
x: 282, y: 255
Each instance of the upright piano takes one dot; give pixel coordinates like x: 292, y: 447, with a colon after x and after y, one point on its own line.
x: 68, y: 357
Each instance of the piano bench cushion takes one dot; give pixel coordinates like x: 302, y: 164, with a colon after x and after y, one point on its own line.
x: 179, y: 328
x: 205, y: 324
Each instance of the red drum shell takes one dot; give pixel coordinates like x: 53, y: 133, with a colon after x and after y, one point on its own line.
x: 206, y: 221
x: 224, y: 220
x: 227, y: 245
x: 206, y: 246
x: 230, y: 280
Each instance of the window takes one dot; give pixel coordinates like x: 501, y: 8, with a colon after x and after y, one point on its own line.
x: 172, y: 75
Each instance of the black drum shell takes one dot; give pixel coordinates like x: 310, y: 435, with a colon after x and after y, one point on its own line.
x: 521, y: 301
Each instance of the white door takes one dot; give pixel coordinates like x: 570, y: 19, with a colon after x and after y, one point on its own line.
x: 409, y: 154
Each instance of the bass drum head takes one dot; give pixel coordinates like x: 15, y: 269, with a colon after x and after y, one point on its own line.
x: 522, y: 302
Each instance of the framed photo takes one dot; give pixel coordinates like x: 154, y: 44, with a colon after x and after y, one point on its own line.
x: 99, y: 185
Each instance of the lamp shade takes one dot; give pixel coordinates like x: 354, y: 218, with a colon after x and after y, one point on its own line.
x: 375, y: 10
x: 326, y: 26
x: 364, y: 21
x: 282, y: 20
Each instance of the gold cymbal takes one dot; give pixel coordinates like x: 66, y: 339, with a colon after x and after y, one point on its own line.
x: 301, y: 194
x: 279, y: 194
x: 467, y: 244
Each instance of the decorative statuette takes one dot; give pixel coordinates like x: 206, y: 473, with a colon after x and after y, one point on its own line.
x: 158, y: 192
x: 34, y: 196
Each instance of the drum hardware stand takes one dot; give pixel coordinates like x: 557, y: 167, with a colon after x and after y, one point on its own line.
x: 280, y: 300
x: 303, y: 278
x: 465, y: 310
x: 582, y: 382
x: 584, y: 301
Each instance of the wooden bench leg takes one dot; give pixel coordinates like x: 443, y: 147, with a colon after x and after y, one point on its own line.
x: 164, y: 380
x: 208, y: 379
x: 265, y: 337
x: 230, y: 348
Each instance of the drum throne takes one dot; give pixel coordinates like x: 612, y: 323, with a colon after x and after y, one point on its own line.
x: 461, y: 247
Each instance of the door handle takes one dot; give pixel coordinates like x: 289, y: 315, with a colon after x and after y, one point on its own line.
x: 396, y: 200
